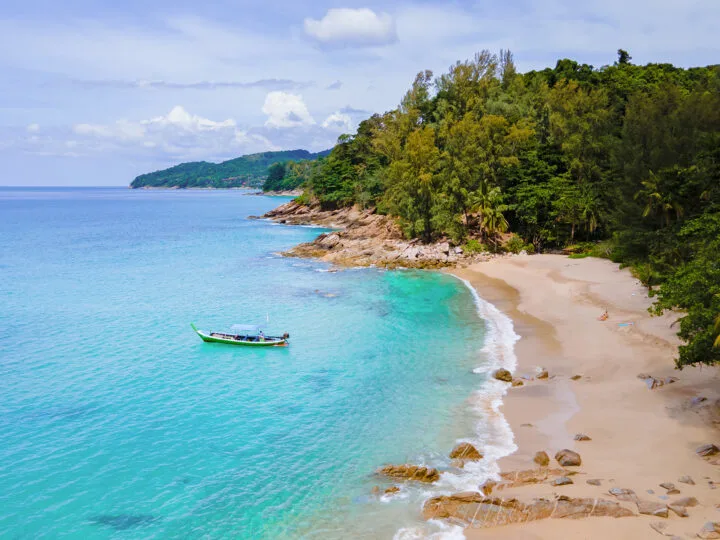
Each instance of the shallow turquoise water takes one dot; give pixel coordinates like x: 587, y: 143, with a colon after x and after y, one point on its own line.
x: 116, y: 421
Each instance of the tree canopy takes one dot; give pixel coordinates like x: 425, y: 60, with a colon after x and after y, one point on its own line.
x: 623, y: 154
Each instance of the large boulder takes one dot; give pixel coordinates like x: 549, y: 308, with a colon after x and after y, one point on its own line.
x: 710, y: 531
x: 465, y: 451
x: 410, y: 472
x: 568, y: 458
x: 707, y: 450
x: 328, y: 241
x: 503, y: 375
x: 562, y: 481
x: 541, y: 458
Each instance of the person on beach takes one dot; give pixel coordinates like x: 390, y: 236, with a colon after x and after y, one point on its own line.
x: 604, y: 316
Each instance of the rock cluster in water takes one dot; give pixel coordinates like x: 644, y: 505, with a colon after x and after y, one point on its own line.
x: 410, y: 472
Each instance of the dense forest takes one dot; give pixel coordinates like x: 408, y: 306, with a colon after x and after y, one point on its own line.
x: 288, y: 175
x: 621, y: 161
x: 249, y: 171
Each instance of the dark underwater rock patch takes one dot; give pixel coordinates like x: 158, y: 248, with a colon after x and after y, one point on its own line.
x: 123, y: 522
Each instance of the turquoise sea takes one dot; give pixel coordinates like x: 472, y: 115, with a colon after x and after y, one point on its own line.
x: 116, y: 421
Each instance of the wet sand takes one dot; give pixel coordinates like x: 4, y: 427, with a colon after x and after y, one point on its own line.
x: 640, y: 437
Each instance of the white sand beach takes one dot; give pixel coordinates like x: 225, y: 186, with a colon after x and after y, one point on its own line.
x: 640, y: 437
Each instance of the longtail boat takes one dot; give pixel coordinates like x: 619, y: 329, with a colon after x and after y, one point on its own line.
x: 243, y: 334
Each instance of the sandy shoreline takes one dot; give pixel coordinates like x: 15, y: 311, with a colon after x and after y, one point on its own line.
x: 640, y: 437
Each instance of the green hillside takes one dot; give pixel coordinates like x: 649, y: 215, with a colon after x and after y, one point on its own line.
x: 250, y: 171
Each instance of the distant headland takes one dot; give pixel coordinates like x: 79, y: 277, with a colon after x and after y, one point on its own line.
x: 246, y: 171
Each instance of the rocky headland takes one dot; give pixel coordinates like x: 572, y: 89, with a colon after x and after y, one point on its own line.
x: 365, y: 238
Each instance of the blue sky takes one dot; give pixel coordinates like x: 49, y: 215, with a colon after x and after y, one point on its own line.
x: 96, y: 92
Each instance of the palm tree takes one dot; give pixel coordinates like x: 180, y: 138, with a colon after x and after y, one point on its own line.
x: 589, y: 211
x: 488, y: 203
x: 657, y: 202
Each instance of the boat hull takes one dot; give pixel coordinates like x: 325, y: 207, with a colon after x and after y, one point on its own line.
x: 269, y: 341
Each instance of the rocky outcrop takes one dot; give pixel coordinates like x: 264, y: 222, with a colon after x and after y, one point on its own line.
x: 365, y: 238
x: 410, y: 472
x: 503, y: 375
x: 466, y: 452
x: 582, y: 437
x: 475, y: 510
x: 568, y: 458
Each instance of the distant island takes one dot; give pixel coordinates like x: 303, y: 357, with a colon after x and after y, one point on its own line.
x: 245, y: 171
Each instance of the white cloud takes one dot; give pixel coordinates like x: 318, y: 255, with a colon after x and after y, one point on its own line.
x: 338, y: 122
x: 358, y: 27
x: 179, y: 118
x: 178, y: 134
x: 286, y: 110
x: 33, y: 128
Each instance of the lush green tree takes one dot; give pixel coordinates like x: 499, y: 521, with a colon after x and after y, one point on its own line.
x: 414, y: 187
x: 694, y: 287
x: 275, y: 177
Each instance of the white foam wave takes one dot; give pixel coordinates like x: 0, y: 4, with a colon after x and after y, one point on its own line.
x: 493, y: 435
x: 444, y: 532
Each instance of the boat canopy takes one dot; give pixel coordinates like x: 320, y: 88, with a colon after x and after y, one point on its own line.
x: 245, y: 328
